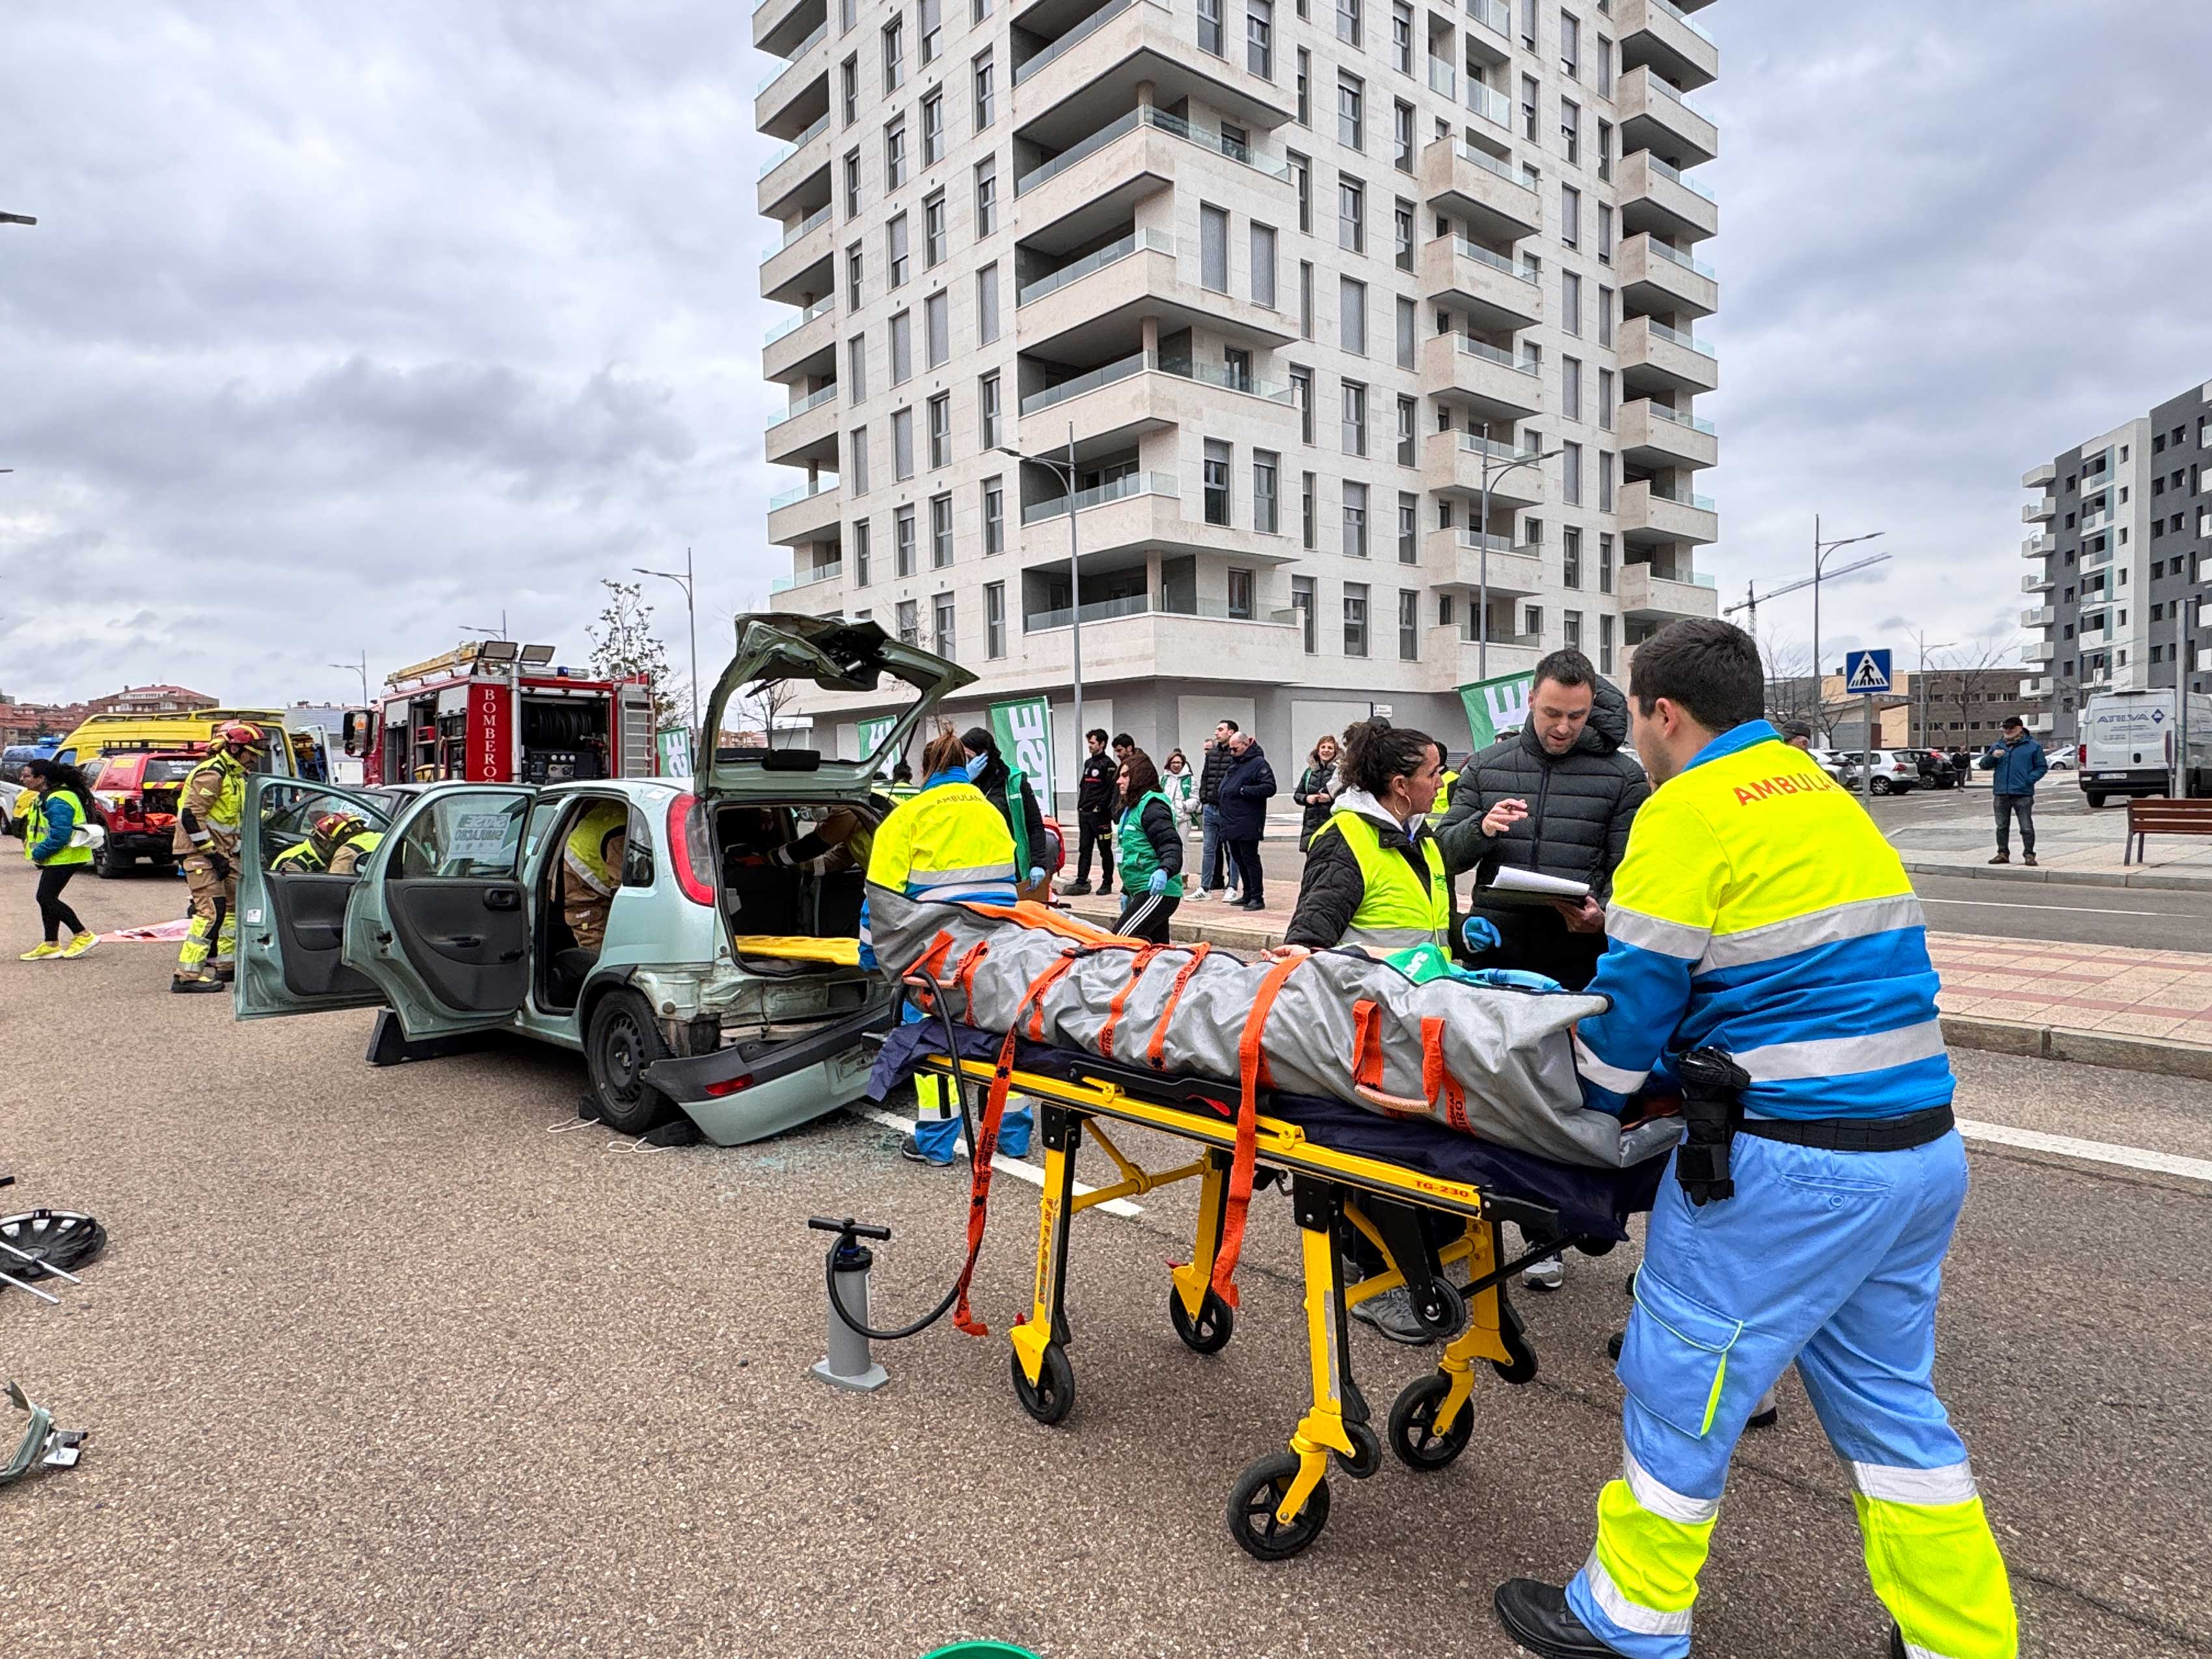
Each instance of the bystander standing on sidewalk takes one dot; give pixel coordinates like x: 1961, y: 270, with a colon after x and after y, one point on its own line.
x: 1316, y: 790
x: 1095, y: 792
x: 1246, y: 789
x: 1213, y: 851
x: 2016, y: 765
x: 1179, y: 785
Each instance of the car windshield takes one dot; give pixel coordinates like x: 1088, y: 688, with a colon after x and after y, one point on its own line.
x: 168, y: 769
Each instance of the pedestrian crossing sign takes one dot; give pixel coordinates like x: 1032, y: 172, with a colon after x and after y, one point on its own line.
x: 1866, y: 671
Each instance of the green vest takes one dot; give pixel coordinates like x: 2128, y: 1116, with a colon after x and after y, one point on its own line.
x: 1394, y: 911
x: 1135, y: 848
x: 34, y: 831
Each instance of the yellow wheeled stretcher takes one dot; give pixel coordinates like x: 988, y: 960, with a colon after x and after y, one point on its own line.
x: 1423, y: 1224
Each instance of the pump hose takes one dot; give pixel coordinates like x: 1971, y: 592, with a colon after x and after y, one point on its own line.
x: 958, y: 1080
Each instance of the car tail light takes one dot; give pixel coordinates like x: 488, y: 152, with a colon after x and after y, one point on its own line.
x: 2081, y: 754
x: 690, y: 849
x: 716, y: 1090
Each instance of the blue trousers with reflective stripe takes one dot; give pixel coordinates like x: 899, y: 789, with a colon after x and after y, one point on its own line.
x: 1830, y: 1259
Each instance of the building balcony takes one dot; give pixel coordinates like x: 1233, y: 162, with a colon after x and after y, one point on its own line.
x: 2038, y: 582
x: 2039, y: 654
x: 1140, y: 639
x: 2035, y: 690
x: 805, y: 514
x: 1654, y: 116
x: 1489, y: 287
x: 1657, y: 277
x: 1649, y: 597
x: 1653, y: 435
x: 1078, y: 81
x: 1655, y: 33
x: 1490, y: 105
x: 1664, y: 201
x: 2041, y: 616
x: 795, y: 180
x: 1474, y: 186
x: 2040, y: 547
x: 1486, y: 377
x: 804, y: 345
x: 797, y: 271
x: 1453, y: 659
x: 1097, y: 181
x: 2039, y: 477
x: 2042, y: 511
x: 1454, y: 462
x: 800, y: 580
x: 779, y: 25
x: 1118, y: 402
x: 1116, y: 523
x: 806, y: 433
x: 2042, y: 724
x: 793, y: 95
x: 1102, y: 299
x: 1454, y: 558
x: 2205, y: 659
x: 1491, y: 39
x: 1656, y: 358
x: 1650, y: 514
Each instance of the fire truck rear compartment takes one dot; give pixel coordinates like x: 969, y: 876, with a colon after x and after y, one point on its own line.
x: 564, y: 738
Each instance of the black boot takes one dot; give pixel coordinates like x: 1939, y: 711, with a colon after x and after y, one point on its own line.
x: 1896, y: 1643
x: 1537, y: 1616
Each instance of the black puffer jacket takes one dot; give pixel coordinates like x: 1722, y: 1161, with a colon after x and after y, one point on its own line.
x: 1580, y: 804
x: 1003, y: 787
x: 1210, y: 774
x: 1319, y: 779
x: 1332, y: 889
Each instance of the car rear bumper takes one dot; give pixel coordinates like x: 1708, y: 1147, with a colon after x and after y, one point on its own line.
x: 746, y: 1093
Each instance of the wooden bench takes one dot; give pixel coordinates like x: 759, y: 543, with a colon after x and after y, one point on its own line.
x: 2158, y: 815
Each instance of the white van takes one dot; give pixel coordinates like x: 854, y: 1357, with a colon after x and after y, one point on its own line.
x: 2130, y: 739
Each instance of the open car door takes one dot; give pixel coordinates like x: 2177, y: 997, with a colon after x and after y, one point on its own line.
x: 440, y: 921
x: 834, y: 655
x: 290, y: 921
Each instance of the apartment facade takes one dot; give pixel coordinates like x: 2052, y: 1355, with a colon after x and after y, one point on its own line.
x: 1290, y: 282
x: 2117, y: 537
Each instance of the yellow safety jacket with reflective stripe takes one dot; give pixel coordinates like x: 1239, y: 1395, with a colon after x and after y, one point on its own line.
x: 34, y: 831
x: 946, y: 843
x: 1443, y: 797
x: 215, y: 791
x: 1395, y: 911
x: 583, y: 854
x: 304, y: 860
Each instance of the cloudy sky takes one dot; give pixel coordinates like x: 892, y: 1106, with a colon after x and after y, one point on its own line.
x: 342, y: 328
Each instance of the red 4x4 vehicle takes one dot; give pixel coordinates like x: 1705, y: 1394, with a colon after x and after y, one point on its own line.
x: 135, y: 796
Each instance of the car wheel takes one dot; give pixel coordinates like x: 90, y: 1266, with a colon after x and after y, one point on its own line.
x: 622, y: 1042
x: 113, y: 862
x: 1883, y: 787
x: 2095, y: 800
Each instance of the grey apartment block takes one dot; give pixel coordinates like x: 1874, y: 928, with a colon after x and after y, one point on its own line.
x: 1292, y: 278
x: 2117, y: 539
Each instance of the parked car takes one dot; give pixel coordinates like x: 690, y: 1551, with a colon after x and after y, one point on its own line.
x: 1936, y: 771
x: 2059, y: 760
x: 1830, y: 761
x: 454, y: 923
x: 135, y: 797
x: 1895, y: 772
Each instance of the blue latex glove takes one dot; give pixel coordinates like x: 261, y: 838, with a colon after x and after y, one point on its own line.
x: 1036, y: 874
x: 1159, y: 883
x: 1479, y: 933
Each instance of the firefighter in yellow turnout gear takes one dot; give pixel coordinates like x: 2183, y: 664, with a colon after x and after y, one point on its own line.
x: 209, y: 809
x: 591, y: 870
x: 335, y: 846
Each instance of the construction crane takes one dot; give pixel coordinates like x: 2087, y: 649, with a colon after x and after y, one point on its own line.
x: 1753, y: 599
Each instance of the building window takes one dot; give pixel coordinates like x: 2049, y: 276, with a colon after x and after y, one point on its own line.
x: 1571, y: 558
x: 940, y: 430
x: 1263, y: 266
x: 933, y: 238
x: 986, y: 196
x: 1571, y: 388
x: 1409, y: 625
x: 1409, y: 526
x: 852, y: 183
x: 1570, y: 624
x: 932, y: 129
x: 1305, y: 79
x: 1355, y: 418
x: 1604, y: 631
x: 894, y: 54
x: 856, y: 369
x: 848, y: 82
x: 940, y: 531
x: 995, y: 517
x: 1604, y: 480
x: 987, y: 303
x: 1240, y: 595
x: 1605, y: 66
x: 1301, y: 601
x: 1355, y: 521
x: 1605, y: 398
x: 861, y: 559
x: 1266, y: 464
x: 987, y: 92
x: 1570, y: 474
x: 1571, y: 215
x: 1259, y: 38
x: 856, y: 467
x: 987, y: 400
x: 1604, y: 234
x: 936, y: 312
x: 1214, y: 248
x: 994, y: 620
x: 1605, y: 316
x: 1217, y: 482
x: 1355, y: 619
x: 930, y: 15
x: 1209, y: 27
x: 1605, y: 149
x: 901, y: 444
x: 1571, y: 131
x: 854, y: 287
x: 1305, y: 300
x: 1350, y: 99
x: 902, y: 348
x: 1571, y: 47
x: 1348, y: 20
x: 1528, y: 107
x: 1570, y: 303
x: 946, y: 648
x: 895, y: 153
x: 1352, y: 316
x: 1302, y: 177
x: 1401, y: 36
x: 1301, y: 384
x: 1351, y: 215
x: 1408, y: 417
x: 1309, y: 505
x: 902, y: 543
x: 1401, y: 229
x: 1401, y: 137
x: 909, y: 626
x: 896, y: 247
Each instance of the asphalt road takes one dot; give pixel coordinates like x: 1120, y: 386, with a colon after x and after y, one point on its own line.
x: 404, y: 1362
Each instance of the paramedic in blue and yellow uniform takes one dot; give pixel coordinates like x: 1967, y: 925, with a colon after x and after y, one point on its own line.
x: 1759, y: 912
x: 945, y: 841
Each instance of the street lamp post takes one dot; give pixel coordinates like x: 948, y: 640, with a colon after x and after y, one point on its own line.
x: 1482, y: 531
x: 1820, y: 551
x: 498, y: 633
x: 359, y: 668
x: 691, y: 616
x: 1921, y: 674
x: 1065, y: 471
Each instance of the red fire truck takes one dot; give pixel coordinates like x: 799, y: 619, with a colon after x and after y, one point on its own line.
x: 501, y: 712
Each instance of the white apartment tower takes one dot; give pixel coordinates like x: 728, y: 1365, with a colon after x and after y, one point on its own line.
x: 1294, y: 282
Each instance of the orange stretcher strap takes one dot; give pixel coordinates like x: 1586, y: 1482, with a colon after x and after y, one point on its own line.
x: 965, y: 974
x: 1366, y: 1045
x: 930, y: 962
x: 1250, y: 1067
x: 1437, y: 1075
x: 1138, y: 963
x: 1157, y: 1048
x: 987, y: 1137
x: 1051, y: 920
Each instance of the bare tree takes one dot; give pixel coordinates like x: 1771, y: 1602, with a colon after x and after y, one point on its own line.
x: 1956, y: 690
x: 1793, y: 690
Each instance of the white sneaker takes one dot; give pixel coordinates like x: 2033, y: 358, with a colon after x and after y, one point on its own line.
x: 1545, y: 1275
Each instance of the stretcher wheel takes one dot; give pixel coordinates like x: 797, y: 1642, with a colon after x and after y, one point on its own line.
x: 1052, y: 1396
x: 1253, y: 1501
x: 1209, y: 1332
x: 1446, y: 1317
x: 1367, y: 1447
x: 1512, y: 1333
x: 1412, y: 1425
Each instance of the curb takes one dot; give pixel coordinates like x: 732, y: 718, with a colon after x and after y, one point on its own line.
x: 2168, y: 881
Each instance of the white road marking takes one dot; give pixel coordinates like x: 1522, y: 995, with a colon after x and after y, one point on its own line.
x: 2094, y: 1152
x: 2062, y: 909
x: 1005, y: 1165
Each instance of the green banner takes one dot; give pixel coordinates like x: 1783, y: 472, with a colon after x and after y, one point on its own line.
x: 1024, y: 731
x: 673, y: 744
x: 872, y: 733
x: 1495, y: 706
